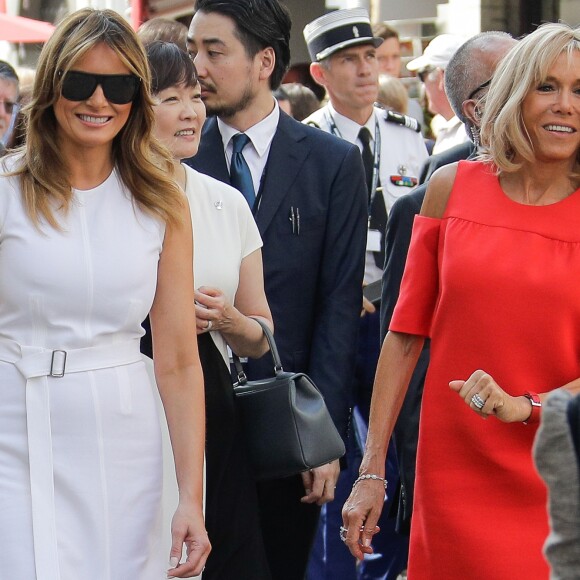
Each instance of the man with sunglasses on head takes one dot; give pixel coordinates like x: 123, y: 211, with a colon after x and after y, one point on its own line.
x: 467, y: 80
x: 430, y: 68
x: 9, y: 92
x: 307, y: 192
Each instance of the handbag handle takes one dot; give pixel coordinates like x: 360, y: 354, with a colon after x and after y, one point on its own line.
x: 242, y: 378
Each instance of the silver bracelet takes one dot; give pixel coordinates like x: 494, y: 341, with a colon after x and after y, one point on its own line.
x: 370, y: 476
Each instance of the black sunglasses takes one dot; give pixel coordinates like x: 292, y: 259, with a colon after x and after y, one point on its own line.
x: 118, y: 89
x: 477, y: 89
x: 424, y: 73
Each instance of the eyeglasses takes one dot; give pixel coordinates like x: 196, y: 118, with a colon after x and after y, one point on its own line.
x: 424, y: 73
x: 118, y: 89
x: 9, y: 106
x: 477, y: 89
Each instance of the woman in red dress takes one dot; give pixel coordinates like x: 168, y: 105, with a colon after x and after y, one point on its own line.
x: 492, y: 277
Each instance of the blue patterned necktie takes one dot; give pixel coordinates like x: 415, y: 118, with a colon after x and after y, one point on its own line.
x: 240, y: 176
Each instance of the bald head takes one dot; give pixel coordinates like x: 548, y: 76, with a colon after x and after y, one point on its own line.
x: 472, y: 66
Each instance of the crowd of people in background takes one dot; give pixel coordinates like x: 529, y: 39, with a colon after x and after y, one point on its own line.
x: 414, y: 251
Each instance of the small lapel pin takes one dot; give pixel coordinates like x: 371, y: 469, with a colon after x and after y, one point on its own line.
x: 219, y: 204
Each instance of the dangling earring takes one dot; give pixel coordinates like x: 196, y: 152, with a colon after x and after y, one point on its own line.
x: 475, y: 136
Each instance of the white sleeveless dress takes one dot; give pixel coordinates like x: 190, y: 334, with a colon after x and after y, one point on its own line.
x: 80, y: 454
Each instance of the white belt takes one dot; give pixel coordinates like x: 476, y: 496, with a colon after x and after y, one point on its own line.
x: 40, y: 366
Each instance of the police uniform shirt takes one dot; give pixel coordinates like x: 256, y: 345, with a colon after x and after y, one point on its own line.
x: 402, y: 155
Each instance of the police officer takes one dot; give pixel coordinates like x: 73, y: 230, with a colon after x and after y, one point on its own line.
x: 344, y: 62
x: 343, y: 53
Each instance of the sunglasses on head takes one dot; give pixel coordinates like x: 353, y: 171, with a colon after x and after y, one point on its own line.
x: 478, y: 88
x: 118, y: 89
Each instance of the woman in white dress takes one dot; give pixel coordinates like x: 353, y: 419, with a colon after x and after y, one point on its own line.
x: 230, y: 289
x: 94, y: 234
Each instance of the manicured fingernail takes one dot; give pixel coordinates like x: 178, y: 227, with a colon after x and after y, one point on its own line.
x: 173, y: 561
x: 366, y: 542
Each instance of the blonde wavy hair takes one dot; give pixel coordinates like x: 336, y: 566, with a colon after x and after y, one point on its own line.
x: 144, y: 166
x: 503, y: 133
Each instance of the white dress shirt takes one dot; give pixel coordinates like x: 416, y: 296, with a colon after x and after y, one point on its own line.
x: 256, y: 153
x: 450, y: 134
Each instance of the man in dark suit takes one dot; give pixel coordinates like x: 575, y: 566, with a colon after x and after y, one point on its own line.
x: 451, y: 155
x: 308, y: 194
x: 467, y: 77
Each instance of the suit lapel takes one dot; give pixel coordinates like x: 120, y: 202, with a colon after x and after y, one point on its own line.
x: 287, y: 154
x: 211, y: 156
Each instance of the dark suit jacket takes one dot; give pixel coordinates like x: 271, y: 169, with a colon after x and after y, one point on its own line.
x: 398, y: 238
x: 457, y: 153
x: 573, y: 414
x: 313, y: 279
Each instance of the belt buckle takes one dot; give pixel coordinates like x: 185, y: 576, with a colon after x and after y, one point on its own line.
x: 58, y: 356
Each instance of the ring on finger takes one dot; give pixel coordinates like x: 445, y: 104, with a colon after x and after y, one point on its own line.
x: 209, y: 325
x: 344, y: 531
x: 477, y: 401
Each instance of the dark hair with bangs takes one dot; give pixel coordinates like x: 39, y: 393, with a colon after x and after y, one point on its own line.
x: 170, y: 66
x: 259, y: 24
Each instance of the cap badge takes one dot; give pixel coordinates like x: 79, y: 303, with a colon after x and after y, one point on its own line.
x: 355, y: 32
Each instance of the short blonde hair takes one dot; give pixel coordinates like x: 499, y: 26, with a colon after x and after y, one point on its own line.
x: 164, y: 29
x: 143, y: 165
x: 503, y: 134
x: 393, y: 94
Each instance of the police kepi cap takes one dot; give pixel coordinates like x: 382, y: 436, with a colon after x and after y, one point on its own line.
x: 337, y: 30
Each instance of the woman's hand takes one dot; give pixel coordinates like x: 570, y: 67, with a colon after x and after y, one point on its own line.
x: 320, y: 483
x: 187, y: 528
x: 360, y: 515
x: 212, y: 310
x: 485, y: 397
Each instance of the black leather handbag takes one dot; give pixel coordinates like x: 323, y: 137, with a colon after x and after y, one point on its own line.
x: 287, y: 426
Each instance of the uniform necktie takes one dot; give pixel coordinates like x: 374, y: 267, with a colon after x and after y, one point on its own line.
x: 240, y: 176
x: 364, y: 136
x: 377, y: 210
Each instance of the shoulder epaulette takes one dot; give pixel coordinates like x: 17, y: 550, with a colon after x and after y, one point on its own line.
x: 404, y: 120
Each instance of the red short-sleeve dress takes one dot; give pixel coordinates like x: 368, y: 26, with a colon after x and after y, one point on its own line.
x: 496, y: 285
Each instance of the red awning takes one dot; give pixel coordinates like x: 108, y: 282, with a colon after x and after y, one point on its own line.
x: 20, y: 29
